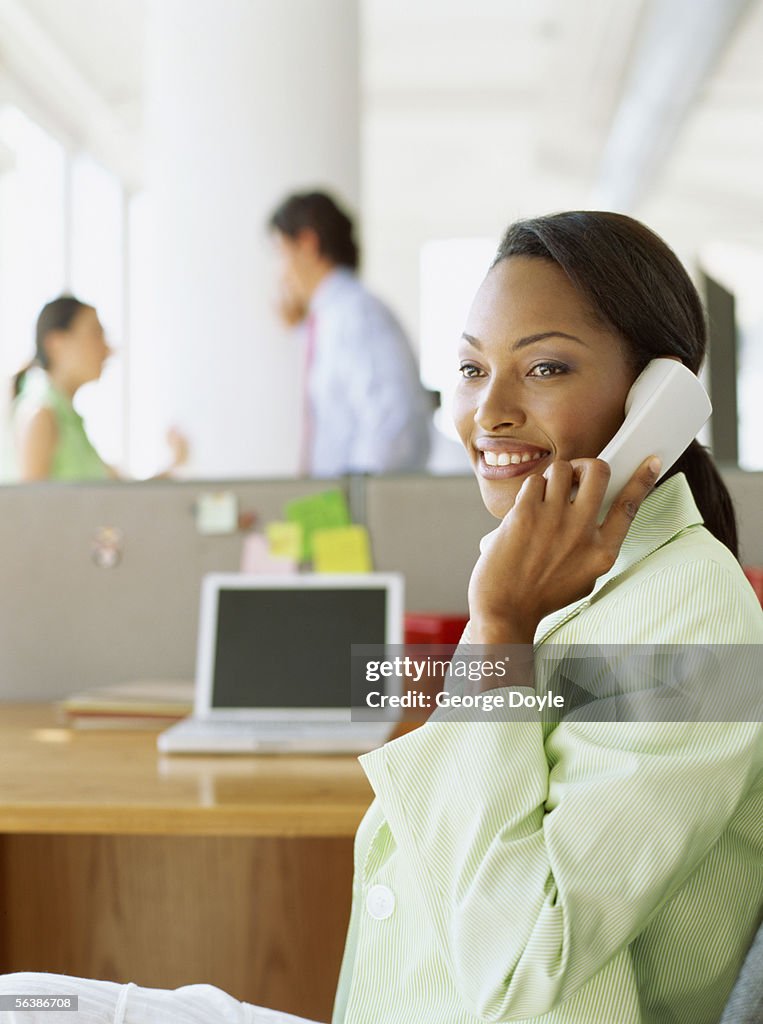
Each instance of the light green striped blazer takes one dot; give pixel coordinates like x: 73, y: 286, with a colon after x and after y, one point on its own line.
x: 595, y: 872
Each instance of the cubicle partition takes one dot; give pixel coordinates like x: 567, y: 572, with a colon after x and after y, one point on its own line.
x: 428, y: 528
x: 747, y: 493
x: 70, y: 620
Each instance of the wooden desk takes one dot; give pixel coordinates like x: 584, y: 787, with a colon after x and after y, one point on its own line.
x: 117, y: 862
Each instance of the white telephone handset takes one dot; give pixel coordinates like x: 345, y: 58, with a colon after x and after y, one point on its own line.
x: 664, y: 411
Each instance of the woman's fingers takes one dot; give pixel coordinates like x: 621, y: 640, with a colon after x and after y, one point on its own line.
x: 584, y: 482
x: 559, y: 476
x: 626, y: 504
x: 590, y: 477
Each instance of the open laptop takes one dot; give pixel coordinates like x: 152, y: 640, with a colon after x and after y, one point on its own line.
x: 273, y: 670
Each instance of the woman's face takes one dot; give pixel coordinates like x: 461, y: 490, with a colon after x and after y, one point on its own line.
x: 82, y: 349
x: 541, y: 379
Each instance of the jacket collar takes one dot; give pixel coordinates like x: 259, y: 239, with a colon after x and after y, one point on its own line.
x: 332, y: 286
x: 662, y: 515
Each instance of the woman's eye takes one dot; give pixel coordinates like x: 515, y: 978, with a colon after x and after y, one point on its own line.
x: 548, y: 370
x: 469, y: 370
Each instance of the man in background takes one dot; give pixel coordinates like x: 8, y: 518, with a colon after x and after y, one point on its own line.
x: 364, y: 408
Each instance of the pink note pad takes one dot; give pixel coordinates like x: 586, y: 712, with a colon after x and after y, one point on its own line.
x: 257, y: 559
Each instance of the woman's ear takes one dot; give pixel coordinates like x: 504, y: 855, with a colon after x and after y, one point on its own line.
x: 51, y: 344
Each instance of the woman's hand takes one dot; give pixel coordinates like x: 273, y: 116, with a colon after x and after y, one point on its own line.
x: 550, y: 550
x: 178, y: 445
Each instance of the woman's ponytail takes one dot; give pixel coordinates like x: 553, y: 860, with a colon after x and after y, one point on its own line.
x: 710, y: 493
x: 17, y: 381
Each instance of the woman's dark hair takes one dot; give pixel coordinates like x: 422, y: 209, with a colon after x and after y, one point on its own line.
x: 319, y: 212
x: 636, y: 286
x: 57, y: 315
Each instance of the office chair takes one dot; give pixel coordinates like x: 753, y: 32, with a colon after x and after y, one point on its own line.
x: 745, y: 1005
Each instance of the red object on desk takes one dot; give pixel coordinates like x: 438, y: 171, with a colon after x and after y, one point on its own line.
x: 430, y: 628
x: 436, y: 631
x: 754, y: 574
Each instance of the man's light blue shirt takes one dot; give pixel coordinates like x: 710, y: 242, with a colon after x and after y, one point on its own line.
x: 369, y: 411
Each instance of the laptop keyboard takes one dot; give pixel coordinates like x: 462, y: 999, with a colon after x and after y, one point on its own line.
x: 233, y: 736
x: 221, y: 727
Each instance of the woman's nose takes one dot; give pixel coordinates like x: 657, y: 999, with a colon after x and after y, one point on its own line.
x: 498, y: 406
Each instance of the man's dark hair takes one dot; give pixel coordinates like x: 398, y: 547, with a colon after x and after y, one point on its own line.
x: 320, y: 213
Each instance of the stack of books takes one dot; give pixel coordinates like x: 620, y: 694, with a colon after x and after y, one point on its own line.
x: 148, y: 704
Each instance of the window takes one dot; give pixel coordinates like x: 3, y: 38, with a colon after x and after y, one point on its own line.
x: 32, y: 233
x: 451, y: 272
x: 62, y: 229
x: 97, y: 277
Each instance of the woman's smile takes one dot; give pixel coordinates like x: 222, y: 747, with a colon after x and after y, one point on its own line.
x: 503, y: 458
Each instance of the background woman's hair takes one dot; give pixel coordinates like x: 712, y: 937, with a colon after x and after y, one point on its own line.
x: 57, y: 315
x: 637, y: 287
x: 319, y: 212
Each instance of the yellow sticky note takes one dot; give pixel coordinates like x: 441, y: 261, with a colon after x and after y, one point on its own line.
x: 342, y: 549
x: 284, y: 540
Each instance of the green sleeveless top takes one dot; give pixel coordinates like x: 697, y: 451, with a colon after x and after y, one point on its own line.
x: 74, y: 457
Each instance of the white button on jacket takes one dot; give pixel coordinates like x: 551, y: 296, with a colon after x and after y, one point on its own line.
x: 380, y: 902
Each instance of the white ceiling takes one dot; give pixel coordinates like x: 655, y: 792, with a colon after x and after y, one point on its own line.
x: 446, y: 51
x: 559, y: 64
x: 716, y: 166
x: 104, y: 39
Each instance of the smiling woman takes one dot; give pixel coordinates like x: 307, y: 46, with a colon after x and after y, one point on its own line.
x: 591, y: 871
x: 49, y: 435
x: 49, y: 439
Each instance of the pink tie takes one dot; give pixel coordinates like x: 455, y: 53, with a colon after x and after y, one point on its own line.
x: 307, y: 412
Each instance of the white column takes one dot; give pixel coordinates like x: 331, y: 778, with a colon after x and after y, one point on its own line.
x: 246, y: 100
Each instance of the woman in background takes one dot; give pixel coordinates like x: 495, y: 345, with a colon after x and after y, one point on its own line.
x: 49, y: 437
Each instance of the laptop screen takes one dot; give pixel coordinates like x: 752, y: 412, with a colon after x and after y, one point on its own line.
x: 290, y: 647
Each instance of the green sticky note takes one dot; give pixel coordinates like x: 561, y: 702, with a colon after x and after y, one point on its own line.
x: 284, y: 540
x: 321, y: 511
x: 342, y: 549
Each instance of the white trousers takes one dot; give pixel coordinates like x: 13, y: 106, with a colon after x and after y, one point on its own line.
x: 106, y: 1002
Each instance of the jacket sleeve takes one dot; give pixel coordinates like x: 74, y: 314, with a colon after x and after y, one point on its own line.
x: 540, y: 858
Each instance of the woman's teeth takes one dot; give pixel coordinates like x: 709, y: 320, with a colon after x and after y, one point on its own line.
x: 505, y: 459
